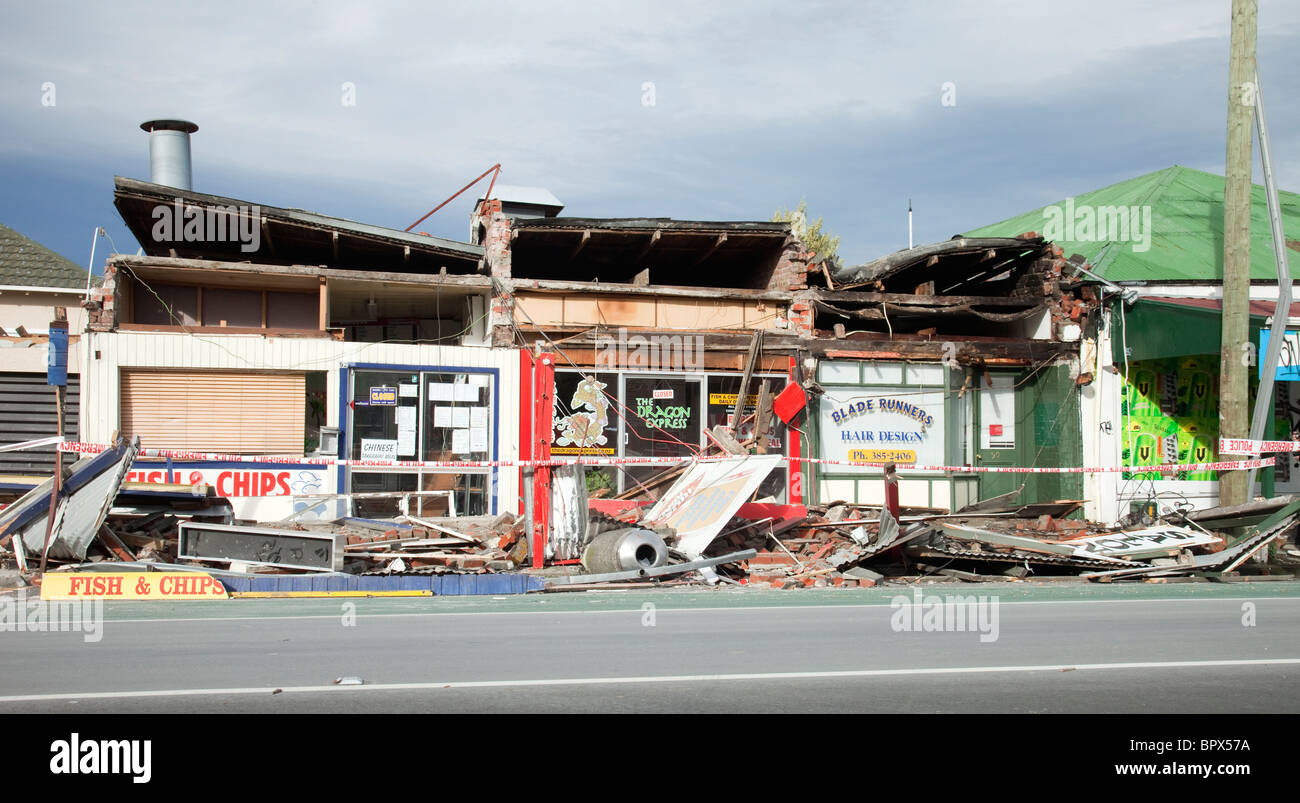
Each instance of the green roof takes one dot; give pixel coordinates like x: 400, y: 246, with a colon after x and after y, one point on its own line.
x: 25, y: 262
x: 1185, y: 233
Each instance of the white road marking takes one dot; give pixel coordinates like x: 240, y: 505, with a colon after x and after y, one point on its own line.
x: 757, y: 676
x: 663, y: 608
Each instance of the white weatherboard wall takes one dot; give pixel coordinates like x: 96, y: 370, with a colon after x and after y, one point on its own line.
x: 101, y: 392
x: 1103, y: 432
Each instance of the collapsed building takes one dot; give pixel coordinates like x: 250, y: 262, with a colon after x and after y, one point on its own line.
x: 418, y: 402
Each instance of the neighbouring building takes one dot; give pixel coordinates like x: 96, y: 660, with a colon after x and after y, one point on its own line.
x: 33, y: 282
x: 1151, y: 248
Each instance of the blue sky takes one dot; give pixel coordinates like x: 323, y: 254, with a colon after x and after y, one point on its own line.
x: 756, y: 105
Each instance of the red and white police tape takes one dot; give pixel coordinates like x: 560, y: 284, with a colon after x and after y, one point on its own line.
x: 173, y: 454
x: 1243, y: 446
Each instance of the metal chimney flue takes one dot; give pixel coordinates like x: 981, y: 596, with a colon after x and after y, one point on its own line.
x: 169, y: 152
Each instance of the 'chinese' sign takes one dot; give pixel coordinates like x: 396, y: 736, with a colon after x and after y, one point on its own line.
x: 378, y: 449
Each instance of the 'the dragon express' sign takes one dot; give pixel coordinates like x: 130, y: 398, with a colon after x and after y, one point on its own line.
x: 882, y: 426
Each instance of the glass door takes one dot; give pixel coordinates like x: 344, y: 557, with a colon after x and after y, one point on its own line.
x: 663, y: 417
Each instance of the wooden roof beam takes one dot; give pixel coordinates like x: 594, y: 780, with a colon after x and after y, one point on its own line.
x: 718, y: 243
x: 645, y: 249
x: 582, y: 243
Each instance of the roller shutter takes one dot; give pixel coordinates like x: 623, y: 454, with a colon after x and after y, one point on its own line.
x: 232, y: 413
x: 27, y: 413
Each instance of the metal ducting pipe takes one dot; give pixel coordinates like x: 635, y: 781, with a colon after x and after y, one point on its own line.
x: 625, y: 551
x: 169, y: 152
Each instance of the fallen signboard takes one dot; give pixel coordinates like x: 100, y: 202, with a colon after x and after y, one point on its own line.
x: 705, y: 498
x: 1152, y: 542
x: 285, y: 549
x: 173, y: 586
x: 84, y: 498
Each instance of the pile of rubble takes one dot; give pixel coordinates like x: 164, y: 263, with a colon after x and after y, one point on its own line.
x: 701, y: 529
x: 101, y: 522
x: 841, y: 545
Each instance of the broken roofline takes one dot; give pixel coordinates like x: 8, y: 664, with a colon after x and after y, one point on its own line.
x: 984, y: 349
x: 248, y: 268
x: 162, y: 195
x: 643, y: 225
x: 957, y: 264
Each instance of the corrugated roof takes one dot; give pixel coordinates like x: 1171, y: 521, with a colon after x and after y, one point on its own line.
x: 537, y: 196
x: 651, y: 224
x: 1259, y: 309
x: 291, y: 236
x: 1186, y: 228
x: 25, y: 262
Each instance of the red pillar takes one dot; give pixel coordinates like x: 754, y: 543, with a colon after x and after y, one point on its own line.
x: 794, y: 449
x: 525, y: 418
x: 543, y: 408
x: 891, y: 491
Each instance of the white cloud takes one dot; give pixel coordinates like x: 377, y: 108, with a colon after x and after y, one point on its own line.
x: 551, y: 90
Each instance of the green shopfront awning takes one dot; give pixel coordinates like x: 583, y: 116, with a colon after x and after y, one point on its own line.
x: 1157, y: 329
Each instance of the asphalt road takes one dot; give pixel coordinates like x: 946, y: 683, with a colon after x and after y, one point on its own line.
x: 1203, y: 650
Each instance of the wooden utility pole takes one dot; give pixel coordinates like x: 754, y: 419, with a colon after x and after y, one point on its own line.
x: 1233, y: 368
x: 60, y: 322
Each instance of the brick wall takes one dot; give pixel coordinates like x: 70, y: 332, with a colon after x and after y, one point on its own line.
x: 496, y: 246
x: 791, y: 271
x: 496, y: 239
x: 101, y: 305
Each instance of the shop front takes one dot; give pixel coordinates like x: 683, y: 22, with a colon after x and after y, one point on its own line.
x: 902, y: 413
x: 420, y: 413
x: 626, y: 414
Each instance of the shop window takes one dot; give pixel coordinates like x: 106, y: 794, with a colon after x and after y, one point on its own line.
x: 723, y: 394
x: 585, y: 419
x: 433, y: 416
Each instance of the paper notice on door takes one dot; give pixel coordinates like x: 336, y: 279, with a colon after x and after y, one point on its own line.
x: 460, y: 417
x: 405, y: 431
x: 442, y: 416
x: 406, y: 418
x: 441, y: 391
x: 478, y: 416
x: 460, y: 441
x: 408, y: 391
x: 467, y: 393
x: 478, y: 440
